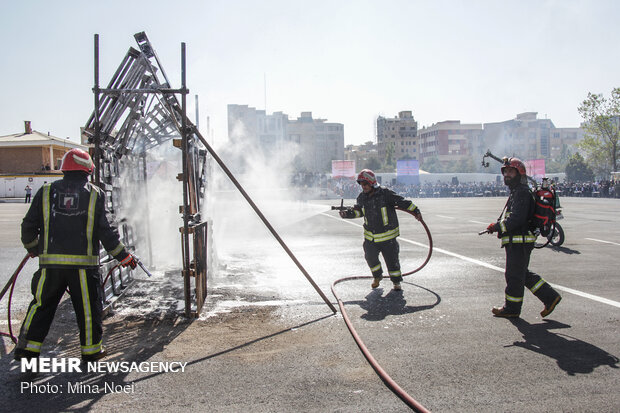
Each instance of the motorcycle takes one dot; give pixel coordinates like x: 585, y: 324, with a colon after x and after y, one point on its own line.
x: 556, y: 237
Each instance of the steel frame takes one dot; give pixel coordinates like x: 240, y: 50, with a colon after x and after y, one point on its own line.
x: 137, y: 111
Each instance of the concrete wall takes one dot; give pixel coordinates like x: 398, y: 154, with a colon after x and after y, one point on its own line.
x: 13, y: 186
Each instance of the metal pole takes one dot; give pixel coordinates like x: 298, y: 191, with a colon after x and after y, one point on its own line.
x: 184, y: 150
x: 197, y: 114
x: 97, y: 131
x: 147, y: 212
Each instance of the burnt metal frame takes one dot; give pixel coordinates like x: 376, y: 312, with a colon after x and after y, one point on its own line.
x: 151, y: 115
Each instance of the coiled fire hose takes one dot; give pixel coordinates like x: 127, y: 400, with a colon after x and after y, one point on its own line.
x: 389, y: 382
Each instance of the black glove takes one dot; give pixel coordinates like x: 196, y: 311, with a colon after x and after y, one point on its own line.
x: 346, y: 213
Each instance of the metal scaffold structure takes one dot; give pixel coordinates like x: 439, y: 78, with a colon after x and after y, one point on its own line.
x: 135, y: 113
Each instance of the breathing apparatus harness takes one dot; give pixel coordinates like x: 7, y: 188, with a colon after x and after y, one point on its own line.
x: 543, y: 216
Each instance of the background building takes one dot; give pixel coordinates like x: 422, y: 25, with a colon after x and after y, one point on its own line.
x: 30, y: 158
x: 365, y: 156
x: 30, y: 151
x: 319, y: 141
x: 397, y: 135
x: 449, y: 141
x: 316, y: 141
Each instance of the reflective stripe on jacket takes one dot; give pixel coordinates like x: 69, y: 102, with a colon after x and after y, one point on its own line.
x: 378, y: 210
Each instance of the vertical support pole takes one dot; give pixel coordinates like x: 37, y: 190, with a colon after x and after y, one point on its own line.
x: 147, y: 212
x: 97, y: 131
x: 184, y: 150
x: 197, y: 114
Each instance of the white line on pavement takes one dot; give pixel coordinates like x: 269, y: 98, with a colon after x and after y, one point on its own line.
x: 445, y: 216
x: 600, y: 240
x: 491, y: 266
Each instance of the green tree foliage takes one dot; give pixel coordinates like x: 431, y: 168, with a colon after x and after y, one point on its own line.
x: 432, y: 165
x: 578, y: 170
x: 601, y: 125
x: 371, y: 163
x: 559, y: 164
x: 389, y: 164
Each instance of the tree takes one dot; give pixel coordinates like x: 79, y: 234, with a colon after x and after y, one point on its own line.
x: 432, y: 165
x: 389, y: 165
x: 602, y: 130
x: 371, y: 163
x: 578, y: 170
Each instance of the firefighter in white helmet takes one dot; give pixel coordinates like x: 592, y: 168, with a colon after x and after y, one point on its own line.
x: 377, y: 205
x: 63, y: 227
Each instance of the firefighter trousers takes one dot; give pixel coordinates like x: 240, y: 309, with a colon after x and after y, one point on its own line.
x: 48, y: 287
x: 518, y: 276
x: 390, y: 250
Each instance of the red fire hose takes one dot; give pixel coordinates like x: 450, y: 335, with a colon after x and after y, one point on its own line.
x: 389, y: 382
x: 11, y: 283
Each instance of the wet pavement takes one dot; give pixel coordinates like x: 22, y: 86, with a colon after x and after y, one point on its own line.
x: 267, y: 342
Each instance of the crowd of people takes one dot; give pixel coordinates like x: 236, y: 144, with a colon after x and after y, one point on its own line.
x: 348, y: 188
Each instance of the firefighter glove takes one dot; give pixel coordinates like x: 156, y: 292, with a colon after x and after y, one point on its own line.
x: 492, y: 227
x: 346, y: 213
x: 129, y: 261
x: 417, y: 214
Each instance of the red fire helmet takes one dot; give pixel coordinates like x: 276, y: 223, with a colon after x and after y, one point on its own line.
x: 77, y: 160
x: 366, y: 175
x: 515, y: 163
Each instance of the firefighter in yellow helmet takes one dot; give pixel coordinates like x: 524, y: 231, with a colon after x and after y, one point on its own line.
x: 518, y: 242
x: 63, y: 227
x: 377, y: 205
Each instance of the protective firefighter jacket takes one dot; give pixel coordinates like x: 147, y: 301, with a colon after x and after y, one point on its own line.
x: 65, y: 223
x: 515, y: 226
x: 377, y: 208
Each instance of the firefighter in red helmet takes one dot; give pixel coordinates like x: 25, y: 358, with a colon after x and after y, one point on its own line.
x: 63, y: 227
x: 377, y: 205
x: 518, y: 241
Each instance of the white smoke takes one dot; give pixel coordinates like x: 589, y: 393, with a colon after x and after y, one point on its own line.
x: 239, y: 236
x: 151, y: 207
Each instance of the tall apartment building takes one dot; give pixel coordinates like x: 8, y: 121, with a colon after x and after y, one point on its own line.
x: 400, y: 133
x: 449, y: 141
x: 526, y: 136
x: 254, y: 128
x: 563, y: 141
x: 318, y: 142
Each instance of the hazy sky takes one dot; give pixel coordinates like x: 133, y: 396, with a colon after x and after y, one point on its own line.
x: 345, y: 61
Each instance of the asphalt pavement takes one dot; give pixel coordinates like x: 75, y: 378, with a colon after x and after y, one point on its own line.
x: 266, y: 341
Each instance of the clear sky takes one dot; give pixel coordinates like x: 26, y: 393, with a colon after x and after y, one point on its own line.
x: 345, y: 61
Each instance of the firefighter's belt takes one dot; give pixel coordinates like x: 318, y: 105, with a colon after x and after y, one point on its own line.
x: 519, y: 239
x: 69, y: 260
x: 384, y: 236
